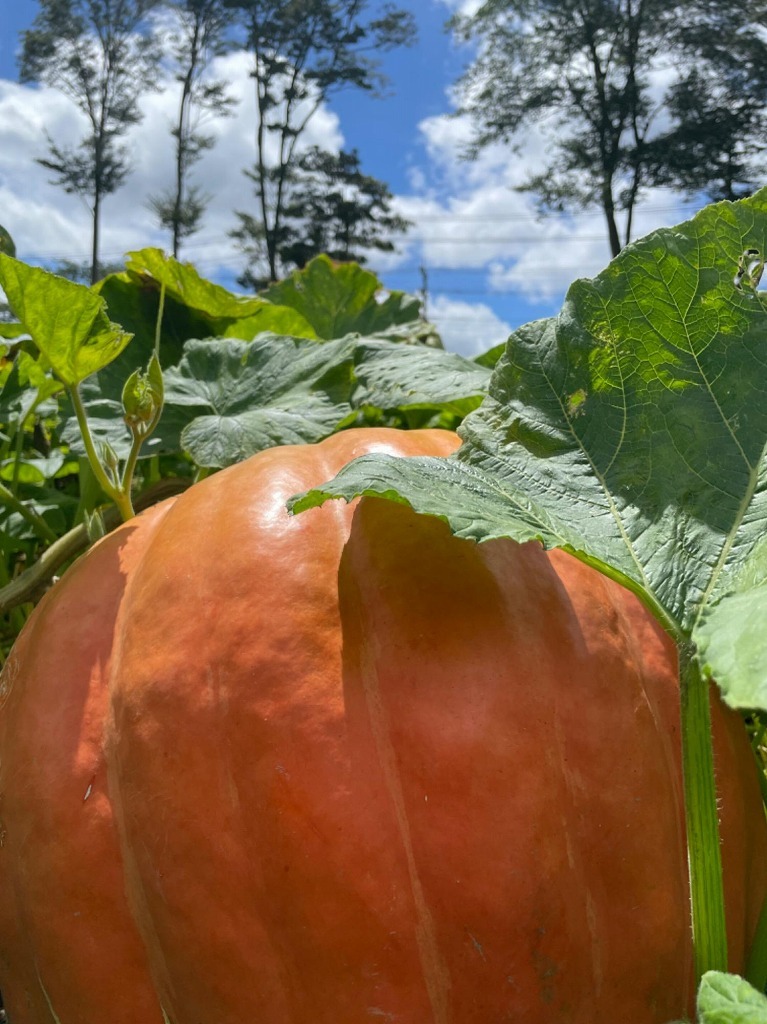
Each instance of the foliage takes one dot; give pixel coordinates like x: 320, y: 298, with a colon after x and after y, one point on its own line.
x: 303, y: 52
x: 337, y: 300
x: 634, y: 448
x: 330, y: 208
x: 8, y: 247
x: 100, y: 55
x: 588, y: 73
x: 728, y: 999
x: 6, y: 243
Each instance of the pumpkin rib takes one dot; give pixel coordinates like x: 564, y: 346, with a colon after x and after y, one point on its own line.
x: 435, y: 975
x: 61, y: 857
x: 358, y: 768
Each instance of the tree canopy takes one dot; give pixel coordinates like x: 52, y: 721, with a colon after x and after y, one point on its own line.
x: 302, y: 52
x: 331, y: 206
x: 102, y: 55
x: 198, y: 32
x: 631, y: 93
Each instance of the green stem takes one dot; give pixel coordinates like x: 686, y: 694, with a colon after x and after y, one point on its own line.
x: 130, y: 465
x: 158, y: 324
x: 120, y: 497
x: 18, y: 447
x: 29, y: 584
x: 42, y: 529
x: 703, y: 850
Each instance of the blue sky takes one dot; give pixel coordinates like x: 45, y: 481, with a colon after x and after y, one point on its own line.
x: 491, y: 264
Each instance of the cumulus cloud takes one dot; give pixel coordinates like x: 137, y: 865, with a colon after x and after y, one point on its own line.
x: 465, y: 7
x: 467, y: 327
x: 472, y: 213
x: 47, y: 224
x: 467, y: 215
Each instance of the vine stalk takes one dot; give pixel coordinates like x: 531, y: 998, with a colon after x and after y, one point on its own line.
x: 702, y: 819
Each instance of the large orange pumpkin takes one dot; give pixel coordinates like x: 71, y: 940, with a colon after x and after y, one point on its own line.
x: 346, y: 768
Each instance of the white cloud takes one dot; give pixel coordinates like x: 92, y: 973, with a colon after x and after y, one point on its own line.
x: 467, y: 214
x: 471, y: 214
x: 466, y: 327
x: 45, y: 222
x: 465, y: 7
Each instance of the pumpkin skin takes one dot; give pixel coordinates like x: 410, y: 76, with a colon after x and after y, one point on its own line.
x: 346, y: 767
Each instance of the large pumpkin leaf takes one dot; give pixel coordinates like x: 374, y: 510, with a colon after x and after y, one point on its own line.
x: 226, y: 314
x: 342, y: 298
x: 67, y: 321
x: 728, y: 999
x: 392, y: 377
x: 228, y: 399
x: 277, y: 390
x: 193, y: 308
x: 631, y: 430
x: 239, y: 397
x: 183, y: 283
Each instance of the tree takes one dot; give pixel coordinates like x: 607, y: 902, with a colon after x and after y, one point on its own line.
x: 100, y: 54
x: 721, y: 118
x: 589, y: 72
x: 303, y: 51
x: 330, y: 207
x: 198, y: 35
x: 80, y: 271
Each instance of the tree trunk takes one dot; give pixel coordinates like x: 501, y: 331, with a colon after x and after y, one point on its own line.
x: 182, y: 138
x: 95, y: 269
x: 608, y: 205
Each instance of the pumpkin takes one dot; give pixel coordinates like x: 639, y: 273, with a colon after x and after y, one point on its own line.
x: 345, y: 767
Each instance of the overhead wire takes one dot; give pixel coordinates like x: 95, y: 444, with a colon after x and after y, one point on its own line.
x: 447, y: 219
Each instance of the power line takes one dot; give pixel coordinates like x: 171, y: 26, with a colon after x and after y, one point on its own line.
x: 413, y: 238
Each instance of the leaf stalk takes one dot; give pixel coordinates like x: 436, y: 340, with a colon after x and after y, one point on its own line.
x: 702, y: 819
x: 119, y: 495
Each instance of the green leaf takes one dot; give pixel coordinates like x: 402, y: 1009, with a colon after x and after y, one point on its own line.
x: 183, y: 283
x: 240, y: 398
x: 37, y: 471
x: 67, y: 321
x: 231, y: 399
x: 491, y: 357
x: 13, y: 331
x: 28, y: 383
x: 224, y: 313
x: 397, y: 377
x: 6, y: 242
x: 339, y: 299
x: 630, y: 430
x: 414, y: 332
x: 728, y: 999
x: 269, y: 319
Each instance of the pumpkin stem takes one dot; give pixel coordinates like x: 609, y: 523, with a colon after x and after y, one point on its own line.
x: 702, y: 819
